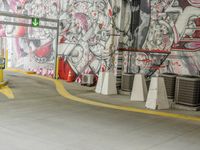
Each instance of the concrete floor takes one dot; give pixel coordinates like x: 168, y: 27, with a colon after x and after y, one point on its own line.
x: 40, y: 119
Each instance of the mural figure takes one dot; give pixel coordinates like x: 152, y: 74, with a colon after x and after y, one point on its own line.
x: 91, y: 30
x: 174, y: 27
x: 85, y: 29
x: 32, y: 48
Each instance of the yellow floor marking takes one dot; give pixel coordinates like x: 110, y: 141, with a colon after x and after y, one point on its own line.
x: 60, y: 88
x: 31, y: 72
x: 62, y: 91
x: 15, y: 70
x: 7, y: 92
x: 3, y: 84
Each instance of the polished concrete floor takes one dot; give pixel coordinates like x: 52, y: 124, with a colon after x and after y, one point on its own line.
x: 40, y: 119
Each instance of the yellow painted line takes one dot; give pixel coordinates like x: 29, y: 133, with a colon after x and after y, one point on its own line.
x: 15, y: 70
x: 31, y: 72
x: 21, y: 71
x: 7, y: 92
x: 2, y: 84
x: 62, y: 91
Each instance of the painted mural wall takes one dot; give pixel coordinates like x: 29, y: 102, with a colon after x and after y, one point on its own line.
x: 131, y: 20
x: 175, y: 27
x: 86, y: 41
x: 92, y: 30
x: 160, y: 25
x: 30, y: 48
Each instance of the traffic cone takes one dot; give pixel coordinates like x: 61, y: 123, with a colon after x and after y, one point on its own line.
x: 70, y: 77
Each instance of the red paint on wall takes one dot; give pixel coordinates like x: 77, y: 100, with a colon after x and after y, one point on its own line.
x: 44, y: 50
x: 65, y: 69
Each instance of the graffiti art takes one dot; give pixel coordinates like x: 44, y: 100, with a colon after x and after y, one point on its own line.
x: 85, y: 28
x: 31, y: 48
x: 175, y: 27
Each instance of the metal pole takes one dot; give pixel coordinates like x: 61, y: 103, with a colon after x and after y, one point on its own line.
x: 1, y: 55
x: 56, y: 53
x: 26, y: 25
x: 1, y: 75
x: 3, y: 13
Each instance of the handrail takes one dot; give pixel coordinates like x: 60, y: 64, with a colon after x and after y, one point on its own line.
x: 142, y: 50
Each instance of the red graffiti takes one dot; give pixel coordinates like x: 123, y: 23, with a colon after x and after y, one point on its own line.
x: 44, y: 50
x: 145, y: 60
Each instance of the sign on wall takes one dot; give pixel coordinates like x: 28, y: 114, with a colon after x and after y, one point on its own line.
x: 35, y: 22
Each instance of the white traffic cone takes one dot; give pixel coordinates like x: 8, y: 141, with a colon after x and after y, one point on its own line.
x: 100, y: 82
x: 139, y: 91
x: 109, y: 84
x: 157, y: 96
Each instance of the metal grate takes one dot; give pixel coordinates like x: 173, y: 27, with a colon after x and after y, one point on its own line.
x: 188, y: 90
x: 127, y: 82
x: 170, y: 82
